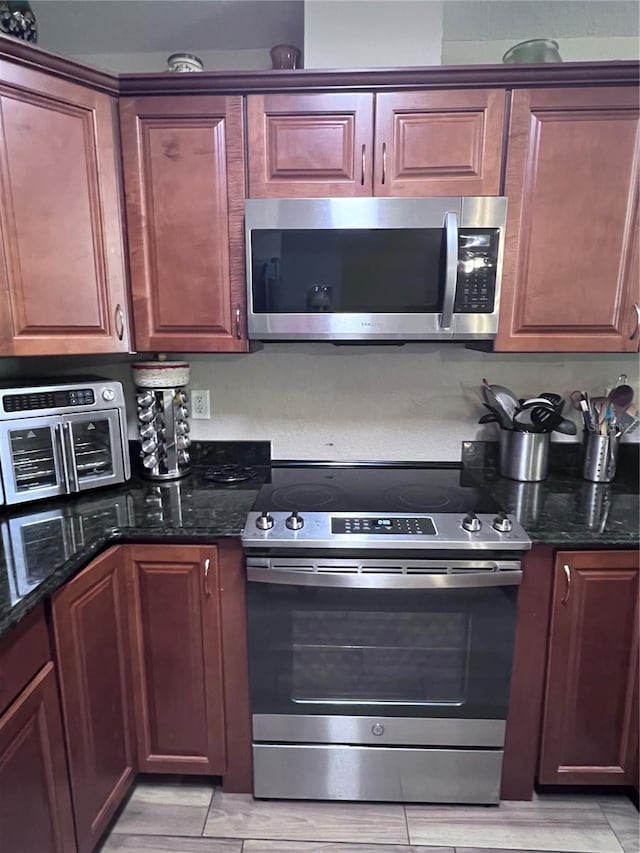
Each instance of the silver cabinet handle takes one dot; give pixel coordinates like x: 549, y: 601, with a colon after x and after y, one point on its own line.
x: 207, y: 565
x: 567, y: 592
x: 119, y: 317
x: 637, y: 327
x: 384, y: 162
x: 237, y: 316
x: 451, y: 226
x: 363, y: 167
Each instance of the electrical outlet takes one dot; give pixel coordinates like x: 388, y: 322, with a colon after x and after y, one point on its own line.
x: 200, y: 405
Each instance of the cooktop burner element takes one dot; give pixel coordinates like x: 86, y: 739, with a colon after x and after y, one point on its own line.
x: 378, y: 506
x: 230, y: 474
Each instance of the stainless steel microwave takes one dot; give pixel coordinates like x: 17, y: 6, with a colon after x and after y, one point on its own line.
x: 374, y: 269
x: 59, y: 437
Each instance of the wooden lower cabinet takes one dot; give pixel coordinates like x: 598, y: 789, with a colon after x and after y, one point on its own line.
x: 35, y: 807
x: 91, y: 640
x: 590, y: 720
x: 174, y: 624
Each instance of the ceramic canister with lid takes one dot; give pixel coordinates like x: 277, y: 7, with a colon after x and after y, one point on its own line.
x: 163, y: 418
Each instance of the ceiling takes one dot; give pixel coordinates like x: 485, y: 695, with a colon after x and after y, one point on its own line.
x: 131, y: 26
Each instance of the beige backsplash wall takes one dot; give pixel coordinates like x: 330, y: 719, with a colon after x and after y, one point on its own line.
x: 319, y: 401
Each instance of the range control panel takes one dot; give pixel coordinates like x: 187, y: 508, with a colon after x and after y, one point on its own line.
x: 477, y: 268
x: 405, y: 526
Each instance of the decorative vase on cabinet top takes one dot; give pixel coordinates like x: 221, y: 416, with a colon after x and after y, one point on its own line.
x: 533, y: 50
x: 17, y: 20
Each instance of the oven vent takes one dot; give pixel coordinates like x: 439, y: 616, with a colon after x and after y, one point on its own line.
x: 387, y: 567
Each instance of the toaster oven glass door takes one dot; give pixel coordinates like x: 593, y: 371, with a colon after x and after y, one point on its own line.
x: 93, y: 448
x: 31, y: 455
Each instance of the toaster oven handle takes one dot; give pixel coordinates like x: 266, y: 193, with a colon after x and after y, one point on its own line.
x: 62, y: 456
x: 451, y: 275
x: 67, y: 436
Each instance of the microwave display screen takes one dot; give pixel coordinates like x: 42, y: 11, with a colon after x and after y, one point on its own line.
x: 359, y: 270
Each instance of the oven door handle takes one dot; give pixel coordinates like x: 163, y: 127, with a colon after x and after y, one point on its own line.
x: 380, y: 580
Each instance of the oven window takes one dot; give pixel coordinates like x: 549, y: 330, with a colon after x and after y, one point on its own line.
x: 435, y: 652
x: 379, y: 658
x: 32, y: 457
x: 363, y: 271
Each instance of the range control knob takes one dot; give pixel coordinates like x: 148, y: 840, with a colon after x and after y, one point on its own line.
x: 295, y: 521
x: 264, y: 521
x: 502, y: 523
x: 108, y: 394
x: 471, y: 523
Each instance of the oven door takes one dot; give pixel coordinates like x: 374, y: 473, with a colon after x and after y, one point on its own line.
x: 433, y: 641
x: 32, y: 459
x: 93, y: 449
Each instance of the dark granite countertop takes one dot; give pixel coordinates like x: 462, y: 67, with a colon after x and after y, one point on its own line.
x: 563, y: 509
x: 46, y: 542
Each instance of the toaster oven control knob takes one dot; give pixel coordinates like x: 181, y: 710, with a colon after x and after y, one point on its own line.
x: 264, y: 521
x: 502, y: 523
x: 471, y: 523
x: 295, y: 521
x: 108, y: 394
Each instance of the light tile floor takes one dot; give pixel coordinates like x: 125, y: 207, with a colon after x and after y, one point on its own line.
x: 193, y: 816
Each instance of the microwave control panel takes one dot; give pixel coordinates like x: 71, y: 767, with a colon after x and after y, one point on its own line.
x: 477, y: 267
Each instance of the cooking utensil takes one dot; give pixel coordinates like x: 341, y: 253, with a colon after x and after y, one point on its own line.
x: 502, y: 400
x: 555, y: 399
x: 490, y: 418
x: 566, y: 427
x: 547, y: 418
x: 620, y: 397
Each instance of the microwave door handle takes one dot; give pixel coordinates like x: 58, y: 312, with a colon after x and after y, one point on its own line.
x: 451, y: 273
x: 67, y: 433
x: 62, y: 456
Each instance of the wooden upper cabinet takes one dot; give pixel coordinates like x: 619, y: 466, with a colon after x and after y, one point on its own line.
x: 445, y: 143
x: 308, y: 146
x: 571, y: 268
x: 176, y: 648
x: 89, y: 617
x: 185, y: 190
x: 421, y: 143
x: 62, y: 275
x: 590, y: 725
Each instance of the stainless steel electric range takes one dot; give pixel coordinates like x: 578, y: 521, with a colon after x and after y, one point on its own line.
x: 381, y: 611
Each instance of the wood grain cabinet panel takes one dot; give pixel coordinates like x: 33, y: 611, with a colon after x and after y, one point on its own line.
x: 590, y: 724
x: 307, y: 146
x: 35, y: 806
x: 421, y: 143
x: 184, y: 182
x: 62, y: 279
x: 439, y: 143
x: 177, y: 667
x: 89, y: 617
x: 571, y: 271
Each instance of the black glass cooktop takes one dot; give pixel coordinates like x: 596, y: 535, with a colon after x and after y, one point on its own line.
x: 373, y: 489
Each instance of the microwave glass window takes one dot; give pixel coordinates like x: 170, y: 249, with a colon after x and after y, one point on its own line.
x: 33, y: 459
x: 360, y: 271
x: 92, y: 448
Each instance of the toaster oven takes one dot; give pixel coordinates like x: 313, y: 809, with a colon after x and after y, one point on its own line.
x: 61, y: 436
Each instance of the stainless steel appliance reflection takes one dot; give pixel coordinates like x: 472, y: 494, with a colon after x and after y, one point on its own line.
x: 381, y: 610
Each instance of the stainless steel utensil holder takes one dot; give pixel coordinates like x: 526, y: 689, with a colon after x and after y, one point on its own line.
x: 163, y: 425
x: 523, y: 455
x: 600, y: 457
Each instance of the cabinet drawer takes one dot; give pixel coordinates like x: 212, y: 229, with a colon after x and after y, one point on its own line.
x: 23, y: 652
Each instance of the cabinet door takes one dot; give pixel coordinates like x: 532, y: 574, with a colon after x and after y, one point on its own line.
x: 571, y: 271
x: 89, y: 617
x: 590, y: 723
x: 308, y: 146
x: 62, y: 279
x: 176, y: 648
x: 184, y: 182
x: 439, y: 143
x: 35, y: 806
